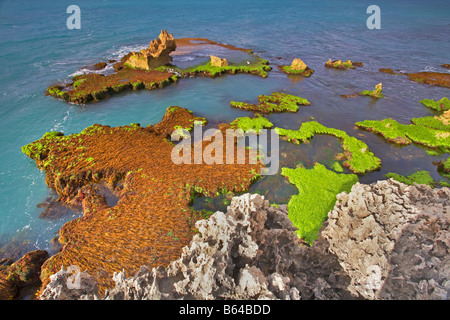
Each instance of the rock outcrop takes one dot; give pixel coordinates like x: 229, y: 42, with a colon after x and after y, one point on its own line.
x: 250, y: 252
x: 218, y: 62
x: 297, y: 67
x: 157, y: 54
x: 386, y: 240
x: 393, y: 240
x: 298, y: 64
x: 23, y: 272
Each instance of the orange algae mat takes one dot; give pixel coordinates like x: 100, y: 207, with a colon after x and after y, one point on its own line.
x: 152, y: 221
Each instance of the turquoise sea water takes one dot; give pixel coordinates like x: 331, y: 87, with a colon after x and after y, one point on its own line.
x: 37, y: 50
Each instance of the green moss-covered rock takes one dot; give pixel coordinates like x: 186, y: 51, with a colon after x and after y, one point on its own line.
x: 359, y: 159
x: 440, y: 105
x: 317, y: 188
x: 251, y: 124
x: 376, y: 93
x: 307, y: 72
x: 258, y: 67
x: 276, y: 102
x: 419, y: 177
x: 40, y: 148
x: 431, y: 122
x: 444, y: 168
x: 403, y: 134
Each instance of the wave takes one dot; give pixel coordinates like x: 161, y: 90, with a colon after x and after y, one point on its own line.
x: 117, y: 54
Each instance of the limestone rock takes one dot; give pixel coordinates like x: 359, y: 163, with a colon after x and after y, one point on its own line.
x: 386, y: 240
x: 250, y: 252
x: 393, y: 240
x: 157, y: 54
x: 218, y: 62
x: 379, y: 89
x: 70, y: 284
x: 298, y: 64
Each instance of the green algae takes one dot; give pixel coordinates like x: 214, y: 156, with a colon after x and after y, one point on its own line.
x: 431, y: 122
x: 376, y: 93
x: 359, y: 158
x: 440, y: 105
x: 251, y: 124
x: 444, y: 168
x: 259, y: 67
x: 40, y: 148
x: 346, y: 64
x: 419, y: 177
x: 336, y: 166
x: 404, y: 134
x: 303, y: 72
x: 276, y: 102
x: 317, y: 188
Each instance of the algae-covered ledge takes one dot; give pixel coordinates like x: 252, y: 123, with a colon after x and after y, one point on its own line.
x: 154, y: 194
x: 150, y: 69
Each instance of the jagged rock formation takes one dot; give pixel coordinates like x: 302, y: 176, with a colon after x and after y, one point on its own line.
x: 251, y: 252
x: 386, y: 240
x: 157, y: 54
x: 218, y: 62
x: 298, y: 64
x: 297, y: 67
x: 393, y: 240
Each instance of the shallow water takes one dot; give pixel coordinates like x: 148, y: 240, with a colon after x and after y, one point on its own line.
x: 37, y: 50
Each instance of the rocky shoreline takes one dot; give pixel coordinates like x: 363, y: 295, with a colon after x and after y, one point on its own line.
x: 386, y: 240
x: 151, y: 68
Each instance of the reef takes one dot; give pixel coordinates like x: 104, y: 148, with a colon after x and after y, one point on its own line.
x: 22, y: 273
x: 440, y: 105
x: 297, y: 67
x: 249, y: 125
x: 441, y: 122
x: 444, y: 168
x: 151, y: 69
x: 421, y: 132
x: 259, y: 67
x: 390, y: 71
x: 276, y: 102
x: 95, y: 87
x: 419, y: 177
x: 154, y: 193
x: 386, y: 240
x: 344, y: 65
x: 431, y: 78
x: 357, y: 155
x: 317, y: 188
